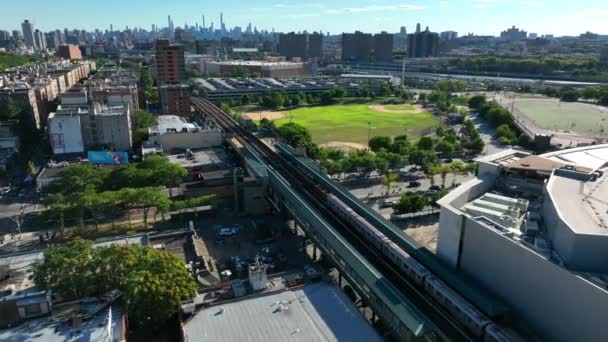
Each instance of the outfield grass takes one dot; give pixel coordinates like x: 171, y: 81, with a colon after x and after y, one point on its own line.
x: 553, y: 114
x: 349, y: 123
x: 400, y: 107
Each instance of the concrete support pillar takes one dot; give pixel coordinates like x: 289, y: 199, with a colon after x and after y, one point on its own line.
x: 373, y: 317
x: 339, y: 279
x: 314, y: 251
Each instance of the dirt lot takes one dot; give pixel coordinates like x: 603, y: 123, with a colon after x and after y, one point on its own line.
x: 345, y: 146
x: 257, y: 116
x: 383, y: 109
x: 424, y: 230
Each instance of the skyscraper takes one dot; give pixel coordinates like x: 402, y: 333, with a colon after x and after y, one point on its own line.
x: 423, y: 44
x: 357, y: 47
x: 28, y: 34
x: 39, y: 40
x: 383, y: 47
x: 418, y: 28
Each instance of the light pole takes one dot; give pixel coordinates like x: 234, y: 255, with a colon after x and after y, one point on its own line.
x: 369, y: 132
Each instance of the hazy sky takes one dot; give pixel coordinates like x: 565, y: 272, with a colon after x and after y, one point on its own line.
x: 559, y: 17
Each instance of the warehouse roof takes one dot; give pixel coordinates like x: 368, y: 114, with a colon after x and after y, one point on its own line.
x: 316, y: 312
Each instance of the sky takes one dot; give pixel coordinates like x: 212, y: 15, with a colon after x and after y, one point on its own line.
x: 484, y: 17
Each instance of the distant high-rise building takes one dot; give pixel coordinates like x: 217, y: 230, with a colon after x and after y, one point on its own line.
x: 513, y: 34
x: 448, y: 35
x: 39, y: 40
x: 69, y: 52
x: 170, y: 62
x: 17, y: 36
x: 52, y: 40
x: 315, y: 45
x: 403, y: 30
x: 4, y: 35
x: 383, y: 47
x: 302, y: 45
x: 532, y: 35
x: 357, y: 47
x: 423, y: 44
x: 28, y: 34
x: 418, y: 28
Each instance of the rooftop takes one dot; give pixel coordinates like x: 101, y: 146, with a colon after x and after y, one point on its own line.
x: 172, y: 124
x: 583, y: 205
x: 200, y: 158
x: 316, y: 312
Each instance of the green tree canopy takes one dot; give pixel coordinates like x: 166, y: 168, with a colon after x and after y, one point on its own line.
x: 153, y: 283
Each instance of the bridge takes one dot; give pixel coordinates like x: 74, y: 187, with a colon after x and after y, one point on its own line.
x: 295, y: 193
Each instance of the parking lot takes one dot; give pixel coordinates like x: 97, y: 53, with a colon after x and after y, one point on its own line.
x: 231, y: 243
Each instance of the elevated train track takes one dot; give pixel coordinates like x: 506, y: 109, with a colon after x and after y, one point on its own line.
x: 447, y: 328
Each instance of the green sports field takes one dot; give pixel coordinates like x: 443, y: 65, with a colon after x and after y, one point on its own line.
x: 566, y: 116
x: 400, y: 107
x: 349, y: 123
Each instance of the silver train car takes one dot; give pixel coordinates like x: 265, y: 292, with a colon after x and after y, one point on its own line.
x: 470, y: 317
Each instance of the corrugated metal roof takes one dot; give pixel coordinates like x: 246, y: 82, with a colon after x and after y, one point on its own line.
x: 316, y: 312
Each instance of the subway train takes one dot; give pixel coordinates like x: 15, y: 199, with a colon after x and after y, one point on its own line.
x: 467, y: 315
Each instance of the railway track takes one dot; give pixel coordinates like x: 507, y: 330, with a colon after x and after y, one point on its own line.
x: 446, y: 327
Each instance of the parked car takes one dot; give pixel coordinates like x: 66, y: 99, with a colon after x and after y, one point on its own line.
x: 414, y: 184
x: 435, y: 188
x: 229, y: 231
x: 387, y: 203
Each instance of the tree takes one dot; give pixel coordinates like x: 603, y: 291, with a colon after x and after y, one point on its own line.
x: 58, y: 207
x: 411, y: 203
x: 506, y: 135
x: 591, y: 93
x: 388, y: 180
x: 152, y: 283
x: 147, y: 198
x: 294, y: 134
x: 477, y: 101
x: 446, y: 148
x: 426, y: 143
x: 380, y: 142
x: 569, y: 94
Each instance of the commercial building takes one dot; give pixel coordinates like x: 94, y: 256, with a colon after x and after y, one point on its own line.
x: 513, y: 34
x: 534, y: 231
x: 28, y: 34
x: 300, y: 45
x: 71, y: 52
x: 423, y: 44
x: 52, y: 40
x: 75, y: 129
x: 169, y: 62
x: 357, y: 47
x: 315, y: 312
x: 272, y: 69
x: 221, y: 89
x: 448, y: 35
x: 174, y: 99
x: 176, y: 133
x: 383, y: 47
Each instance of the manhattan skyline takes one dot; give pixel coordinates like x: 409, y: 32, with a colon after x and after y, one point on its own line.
x: 483, y: 17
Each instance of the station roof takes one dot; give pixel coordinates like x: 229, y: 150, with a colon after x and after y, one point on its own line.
x: 316, y: 312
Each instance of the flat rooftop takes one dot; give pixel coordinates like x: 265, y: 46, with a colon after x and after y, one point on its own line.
x: 51, y: 328
x: 316, y: 312
x: 171, y: 123
x: 202, y: 157
x: 583, y: 205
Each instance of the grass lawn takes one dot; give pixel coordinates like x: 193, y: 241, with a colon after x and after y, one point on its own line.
x: 553, y: 114
x: 349, y: 123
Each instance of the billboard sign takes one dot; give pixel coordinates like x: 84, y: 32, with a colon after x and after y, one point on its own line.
x: 107, y: 157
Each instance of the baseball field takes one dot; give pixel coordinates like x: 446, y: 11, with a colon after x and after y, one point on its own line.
x: 350, y: 124
x: 553, y: 114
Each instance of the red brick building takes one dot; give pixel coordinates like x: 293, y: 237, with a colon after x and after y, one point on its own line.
x: 175, y: 99
x: 69, y: 52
